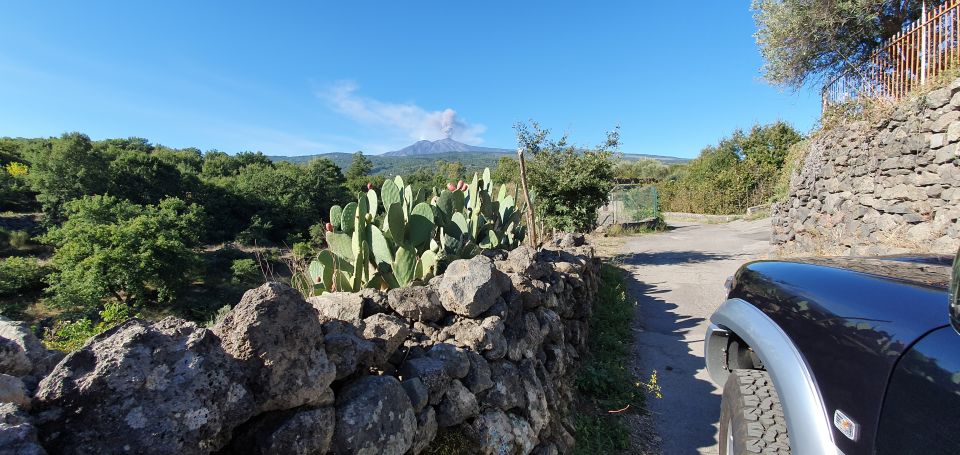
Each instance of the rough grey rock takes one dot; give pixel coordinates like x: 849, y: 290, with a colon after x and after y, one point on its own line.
x: 568, y: 240
x: 164, y: 388
x: 470, y: 287
x: 483, y: 336
x: 346, y: 348
x: 374, y: 416
x: 497, y: 432
x: 523, y: 260
x: 12, y: 390
x: 432, y: 372
x: 455, y: 360
x: 478, y: 378
x: 507, y: 392
x: 536, y: 410
x: 457, y: 406
x: 18, y: 436
x: 22, y: 354
x: 417, y: 392
x: 345, y: 306
x: 417, y: 303
x: 279, y: 339
x: 387, y: 333
x: 299, y: 431
x: 374, y: 301
x: 426, y: 430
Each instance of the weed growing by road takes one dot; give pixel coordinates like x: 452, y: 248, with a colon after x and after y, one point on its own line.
x: 608, y: 389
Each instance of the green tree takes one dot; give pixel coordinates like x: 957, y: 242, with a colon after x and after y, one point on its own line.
x: 643, y: 169
x: 570, y: 183
x: 507, y: 171
x: 805, y: 40
x: 219, y: 164
x: 112, y: 248
x: 358, y: 175
x: 65, y: 169
x: 739, y: 172
x: 143, y: 178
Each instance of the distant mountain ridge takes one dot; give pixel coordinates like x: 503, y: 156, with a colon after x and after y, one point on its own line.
x: 442, y: 146
x: 425, y: 154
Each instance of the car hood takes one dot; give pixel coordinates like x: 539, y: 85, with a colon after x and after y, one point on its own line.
x: 924, y: 270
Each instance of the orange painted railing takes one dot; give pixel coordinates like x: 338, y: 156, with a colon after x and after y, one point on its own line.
x: 917, y: 54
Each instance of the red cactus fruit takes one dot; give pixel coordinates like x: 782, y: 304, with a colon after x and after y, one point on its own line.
x: 461, y: 184
x: 369, y: 186
x: 329, y: 227
x: 451, y: 187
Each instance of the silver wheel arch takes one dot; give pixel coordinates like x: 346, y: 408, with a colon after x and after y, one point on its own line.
x: 807, y: 419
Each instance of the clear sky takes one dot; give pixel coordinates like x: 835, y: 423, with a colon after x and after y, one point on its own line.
x: 313, y: 77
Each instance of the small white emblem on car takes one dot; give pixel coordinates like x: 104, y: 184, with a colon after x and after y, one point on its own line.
x: 846, y: 425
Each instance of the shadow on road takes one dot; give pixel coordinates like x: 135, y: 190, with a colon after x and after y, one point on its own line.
x: 671, y: 257
x: 687, y: 401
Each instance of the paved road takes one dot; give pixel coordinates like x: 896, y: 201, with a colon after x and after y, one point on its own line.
x: 677, y: 278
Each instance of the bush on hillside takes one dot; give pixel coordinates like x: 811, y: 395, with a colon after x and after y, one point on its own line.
x: 19, y: 276
x: 112, y: 248
x: 740, y: 172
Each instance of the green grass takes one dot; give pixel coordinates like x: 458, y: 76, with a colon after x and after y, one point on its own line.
x: 605, y: 383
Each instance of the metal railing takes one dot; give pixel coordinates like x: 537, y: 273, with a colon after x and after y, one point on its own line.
x: 918, y: 53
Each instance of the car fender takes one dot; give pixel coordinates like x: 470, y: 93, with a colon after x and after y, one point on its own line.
x: 808, y: 423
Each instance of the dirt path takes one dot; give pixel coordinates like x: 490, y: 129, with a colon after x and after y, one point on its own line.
x: 677, y: 278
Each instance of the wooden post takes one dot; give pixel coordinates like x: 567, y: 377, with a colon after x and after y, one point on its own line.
x: 531, y: 219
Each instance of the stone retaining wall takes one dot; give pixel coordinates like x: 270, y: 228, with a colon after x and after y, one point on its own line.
x: 489, y: 349
x: 879, y: 187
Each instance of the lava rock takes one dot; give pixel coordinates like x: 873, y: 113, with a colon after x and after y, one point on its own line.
x: 416, y: 303
x: 470, y: 287
x: 277, y: 336
x: 163, y: 388
x: 374, y: 415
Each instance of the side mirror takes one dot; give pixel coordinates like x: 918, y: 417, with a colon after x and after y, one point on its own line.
x: 955, y: 294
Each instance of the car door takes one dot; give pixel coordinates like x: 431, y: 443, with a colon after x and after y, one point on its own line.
x: 921, y: 409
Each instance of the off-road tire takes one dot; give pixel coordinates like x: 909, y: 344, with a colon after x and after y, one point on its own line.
x: 751, y: 414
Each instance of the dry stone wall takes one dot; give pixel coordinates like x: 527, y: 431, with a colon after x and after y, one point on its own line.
x: 489, y: 349
x: 879, y: 187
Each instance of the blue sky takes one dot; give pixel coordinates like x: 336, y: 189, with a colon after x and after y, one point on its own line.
x: 314, y: 77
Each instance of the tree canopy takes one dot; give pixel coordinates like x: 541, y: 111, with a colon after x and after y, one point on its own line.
x: 110, y: 247
x: 739, y: 172
x: 809, y: 40
x: 569, y: 183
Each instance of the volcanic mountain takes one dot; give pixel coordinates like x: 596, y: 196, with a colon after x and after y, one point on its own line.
x: 442, y: 146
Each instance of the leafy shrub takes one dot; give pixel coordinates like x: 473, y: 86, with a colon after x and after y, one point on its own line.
x: 258, y: 231
x: 70, y: 336
x: 218, y: 316
x: 109, y: 247
x: 570, y: 183
x: 302, y: 250
x: 740, y: 172
x: 19, y: 239
x: 19, y: 276
x: 244, y: 271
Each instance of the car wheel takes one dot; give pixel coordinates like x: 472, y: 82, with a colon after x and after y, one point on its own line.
x: 751, y: 417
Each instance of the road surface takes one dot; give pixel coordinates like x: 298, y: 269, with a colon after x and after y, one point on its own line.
x: 677, y: 278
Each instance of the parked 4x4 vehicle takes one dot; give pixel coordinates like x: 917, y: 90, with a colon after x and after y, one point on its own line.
x: 839, y: 356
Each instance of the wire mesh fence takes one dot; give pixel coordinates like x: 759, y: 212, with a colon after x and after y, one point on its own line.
x: 630, y: 204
